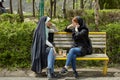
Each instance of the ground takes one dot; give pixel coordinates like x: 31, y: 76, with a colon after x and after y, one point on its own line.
x: 83, y: 72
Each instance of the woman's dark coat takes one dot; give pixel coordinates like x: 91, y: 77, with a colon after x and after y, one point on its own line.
x: 39, y: 56
x: 80, y: 38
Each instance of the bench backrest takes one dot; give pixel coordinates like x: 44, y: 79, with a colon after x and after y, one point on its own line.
x: 64, y: 40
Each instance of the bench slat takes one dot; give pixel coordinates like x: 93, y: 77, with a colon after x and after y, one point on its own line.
x: 68, y: 46
x: 59, y: 39
x: 68, y: 35
x: 69, y: 39
x: 70, y: 42
x: 104, y: 36
x: 87, y: 57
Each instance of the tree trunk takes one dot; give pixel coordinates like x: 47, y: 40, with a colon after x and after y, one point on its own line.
x: 54, y: 8
x: 81, y: 4
x: 11, y: 9
x: 20, y: 12
x: 51, y: 8
x: 64, y: 9
x: 96, y: 12
x: 73, y: 4
x: 33, y: 8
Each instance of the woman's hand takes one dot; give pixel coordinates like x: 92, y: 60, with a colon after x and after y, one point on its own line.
x: 76, y: 28
x: 55, y: 53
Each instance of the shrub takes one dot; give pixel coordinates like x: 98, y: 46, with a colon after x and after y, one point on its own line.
x: 106, y: 16
x: 10, y: 18
x: 61, y: 23
x: 113, y: 42
x: 15, y: 44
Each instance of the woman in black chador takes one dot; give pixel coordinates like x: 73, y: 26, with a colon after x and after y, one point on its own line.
x: 43, y: 52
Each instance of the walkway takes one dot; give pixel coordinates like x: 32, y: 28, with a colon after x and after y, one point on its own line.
x: 84, y: 74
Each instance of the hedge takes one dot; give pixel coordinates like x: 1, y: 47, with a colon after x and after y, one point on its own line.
x: 113, y: 42
x: 15, y: 44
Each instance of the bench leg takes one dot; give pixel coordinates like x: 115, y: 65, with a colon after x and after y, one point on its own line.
x: 105, y: 68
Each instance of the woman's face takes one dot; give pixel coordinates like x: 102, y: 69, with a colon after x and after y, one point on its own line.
x: 48, y: 24
x: 74, y: 23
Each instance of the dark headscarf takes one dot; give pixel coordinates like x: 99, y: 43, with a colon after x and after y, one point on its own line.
x: 81, y: 23
x: 39, y: 58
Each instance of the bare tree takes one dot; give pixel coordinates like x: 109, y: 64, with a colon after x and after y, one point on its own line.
x: 33, y: 8
x: 73, y: 4
x: 11, y: 9
x: 64, y: 9
x: 96, y: 12
x: 20, y: 11
x: 54, y: 8
x: 81, y: 4
x: 51, y: 8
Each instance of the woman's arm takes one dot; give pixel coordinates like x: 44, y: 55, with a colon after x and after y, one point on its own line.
x: 77, y: 35
x: 69, y: 28
x: 81, y: 33
x: 48, y: 43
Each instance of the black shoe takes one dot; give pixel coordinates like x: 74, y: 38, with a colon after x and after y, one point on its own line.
x: 54, y: 75
x: 75, y: 74
x: 64, y: 71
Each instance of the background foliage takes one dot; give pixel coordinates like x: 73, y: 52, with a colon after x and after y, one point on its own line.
x: 15, y: 43
x: 16, y: 37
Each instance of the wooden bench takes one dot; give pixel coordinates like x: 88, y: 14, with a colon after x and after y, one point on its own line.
x: 64, y: 40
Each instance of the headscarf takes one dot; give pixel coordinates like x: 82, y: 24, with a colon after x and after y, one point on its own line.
x: 81, y: 23
x: 39, y: 58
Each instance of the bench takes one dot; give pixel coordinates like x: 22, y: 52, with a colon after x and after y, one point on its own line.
x: 64, y: 40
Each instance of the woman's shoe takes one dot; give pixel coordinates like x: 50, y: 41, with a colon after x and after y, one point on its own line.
x: 75, y: 74
x: 64, y: 71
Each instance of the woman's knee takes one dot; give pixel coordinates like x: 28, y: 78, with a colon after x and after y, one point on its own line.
x: 72, y: 50
x: 51, y: 50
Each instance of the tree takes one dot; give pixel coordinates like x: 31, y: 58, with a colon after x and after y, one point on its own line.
x: 64, y: 9
x: 33, y: 2
x: 20, y: 11
x: 96, y: 12
x: 51, y: 8
x: 54, y: 8
x: 73, y: 4
x: 81, y: 4
x: 11, y: 9
x: 109, y: 4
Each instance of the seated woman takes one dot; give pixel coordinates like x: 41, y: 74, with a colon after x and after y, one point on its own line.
x: 79, y: 48
x: 43, y: 52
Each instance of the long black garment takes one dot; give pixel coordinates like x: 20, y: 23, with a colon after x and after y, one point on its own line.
x: 38, y: 50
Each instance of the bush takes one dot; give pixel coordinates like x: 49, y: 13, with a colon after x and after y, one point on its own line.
x: 113, y: 42
x: 10, y: 18
x: 61, y: 23
x: 109, y: 16
x: 15, y: 44
x: 106, y: 16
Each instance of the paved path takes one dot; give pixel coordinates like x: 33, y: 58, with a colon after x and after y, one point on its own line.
x: 66, y: 78
x: 84, y: 74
